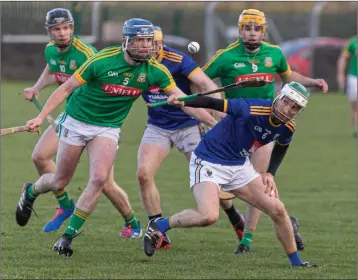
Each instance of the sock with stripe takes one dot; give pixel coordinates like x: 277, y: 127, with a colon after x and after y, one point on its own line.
x: 78, y: 218
x: 131, y: 220
x: 31, y: 193
x: 155, y: 216
x: 234, y: 216
x: 294, y: 258
x: 163, y: 225
x: 63, y: 199
x: 247, y: 238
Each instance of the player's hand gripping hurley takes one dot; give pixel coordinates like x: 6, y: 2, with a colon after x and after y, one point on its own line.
x: 241, y: 84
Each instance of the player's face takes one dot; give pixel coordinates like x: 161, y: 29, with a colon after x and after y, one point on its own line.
x: 285, y: 109
x: 61, y: 34
x: 251, y: 34
x: 141, y: 47
x: 158, y: 45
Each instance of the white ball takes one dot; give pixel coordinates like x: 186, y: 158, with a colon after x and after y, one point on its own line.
x: 194, y: 47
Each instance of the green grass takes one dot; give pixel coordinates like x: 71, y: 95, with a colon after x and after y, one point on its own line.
x: 316, y: 182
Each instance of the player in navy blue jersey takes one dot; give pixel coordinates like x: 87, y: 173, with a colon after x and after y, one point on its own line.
x: 170, y: 126
x: 222, y: 159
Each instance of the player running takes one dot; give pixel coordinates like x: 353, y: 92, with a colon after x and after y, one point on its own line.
x: 104, y: 90
x: 251, y: 57
x: 169, y: 126
x: 349, y: 51
x: 64, y: 55
x: 222, y: 159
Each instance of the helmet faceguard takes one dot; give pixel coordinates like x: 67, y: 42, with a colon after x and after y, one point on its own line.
x: 134, y: 31
x: 292, y: 100
x: 55, y: 18
x: 253, y: 19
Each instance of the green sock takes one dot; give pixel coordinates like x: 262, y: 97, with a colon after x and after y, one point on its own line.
x: 247, y: 238
x: 63, y: 199
x: 132, y: 221
x: 31, y: 193
x: 78, y: 219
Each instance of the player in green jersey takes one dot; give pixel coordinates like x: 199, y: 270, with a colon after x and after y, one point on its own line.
x: 250, y: 57
x: 104, y: 90
x: 64, y: 55
x: 349, y: 51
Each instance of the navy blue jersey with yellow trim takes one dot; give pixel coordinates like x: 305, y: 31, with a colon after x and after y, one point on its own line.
x: 246, y: 128
x: 181, y: 66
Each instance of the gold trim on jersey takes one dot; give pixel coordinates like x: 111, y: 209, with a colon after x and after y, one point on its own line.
x: 291, y: 125
x: 156, y: 64
x: 219, y: 53
x: 281, y: 144
x: 287, y: 72
x: 82, y: 47
x: 160, y: 57
x: 171, y: 59
x: 100, y: 55
x: 173, y: 55
x: 260, y: 110
x: 272, y: 123
x: 194, y: 71
x: 225, y: 105
x: 271, y: 45
x: 50, y: 43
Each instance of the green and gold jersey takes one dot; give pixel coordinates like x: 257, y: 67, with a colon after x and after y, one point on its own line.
x: 63, y: 65
x: 234, y: 64
x: 351, y: 50
x: 111, y: 85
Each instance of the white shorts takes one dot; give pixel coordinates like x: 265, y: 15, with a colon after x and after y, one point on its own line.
x: 185, y: 139
x: 227, y: 178
x: 77, y: 133
x: 352, y: 87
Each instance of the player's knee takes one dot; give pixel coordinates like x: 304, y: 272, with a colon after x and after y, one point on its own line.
x: 278, y: 211
x: 38, y: 158
x: 143, y: 176
x: 210, y: 219
x: 60, y: 183
x: 98, y: 180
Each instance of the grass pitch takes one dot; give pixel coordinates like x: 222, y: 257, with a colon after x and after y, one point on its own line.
x: 317, y: 183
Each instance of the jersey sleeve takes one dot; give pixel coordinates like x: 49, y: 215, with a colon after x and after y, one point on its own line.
x: 286, y: 137
x: 348, y: 50
x: 87, y: 71
x: 161, y: 76
x: 188, y: 66
x: 237, y: 107
x: 283, y: 68
x: 213, y: 68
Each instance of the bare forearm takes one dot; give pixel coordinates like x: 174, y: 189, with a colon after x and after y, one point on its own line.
x: 56, y: 98
x: 294, y: 76
x: 341, y: 66
x: 45, y: 79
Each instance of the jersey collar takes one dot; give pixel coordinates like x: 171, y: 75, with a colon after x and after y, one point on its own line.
x: 160, y: 57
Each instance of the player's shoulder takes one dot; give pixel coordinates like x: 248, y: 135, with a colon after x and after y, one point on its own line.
x: 50, y: 46
x: 83, y: 47
x: 259, y: 107
x: 229, y: 49
x: 173, y: 54
x: 291, y: 125
x: 271, y: 47
x: 107, y: 53
x: 352, y: 41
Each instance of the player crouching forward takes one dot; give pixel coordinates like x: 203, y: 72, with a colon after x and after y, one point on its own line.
x: 221, y: 159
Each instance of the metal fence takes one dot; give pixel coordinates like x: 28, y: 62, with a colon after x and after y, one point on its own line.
x: 212, y: 25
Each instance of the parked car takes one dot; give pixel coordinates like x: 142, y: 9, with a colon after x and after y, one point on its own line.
x: 325, y: 54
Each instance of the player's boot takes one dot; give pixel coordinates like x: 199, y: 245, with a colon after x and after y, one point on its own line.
x: 129, y: 232
x: 298, y: 238
x: 25, y: 206
x: 63, y: 245
x: 242, y: 249
x: 239, y: 227
x: 59, y: 218
x: 153, y: 238
x: 308, y: 264
x: 166, y: 243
